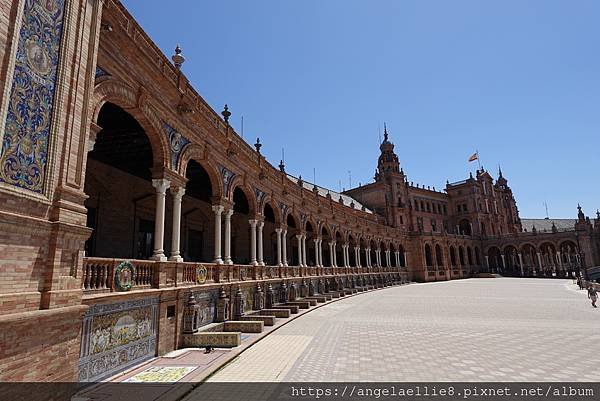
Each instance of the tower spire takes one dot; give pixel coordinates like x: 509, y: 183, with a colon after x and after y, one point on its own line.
x: 385, y: 133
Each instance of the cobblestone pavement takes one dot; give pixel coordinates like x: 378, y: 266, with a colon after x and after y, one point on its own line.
x: 499, y: 329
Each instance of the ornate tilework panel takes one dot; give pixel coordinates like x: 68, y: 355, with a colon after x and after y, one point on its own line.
x: 206, y: 301
x: 116, y: 336
x: 27, y: 130
x: 177, y: 143
x: 227, y: 176
x: 100, y: 72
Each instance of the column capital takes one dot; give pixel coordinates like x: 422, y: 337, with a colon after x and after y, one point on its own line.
x: 278, y: 230
x: 253, y: 222
x: 261, y: 224
x: 228, y: 213
x: 161, y: 185
x: 299, y: 236
x: 218, y: 209
x: 177, y: 191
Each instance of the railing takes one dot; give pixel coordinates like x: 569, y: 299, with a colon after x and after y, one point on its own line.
x: 104, y: 275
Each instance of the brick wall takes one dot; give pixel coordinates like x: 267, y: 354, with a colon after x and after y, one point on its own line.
x: 41, y: 345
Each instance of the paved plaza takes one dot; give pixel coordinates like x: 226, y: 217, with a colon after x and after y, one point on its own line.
x: 497, y: 329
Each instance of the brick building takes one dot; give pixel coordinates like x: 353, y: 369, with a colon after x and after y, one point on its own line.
x: 123, y: 193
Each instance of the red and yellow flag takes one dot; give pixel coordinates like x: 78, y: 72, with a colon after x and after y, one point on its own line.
x: 474, y: 157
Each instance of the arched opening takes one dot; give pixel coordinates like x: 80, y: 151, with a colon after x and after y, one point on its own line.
x: 393, y: 261
x: 495, y: 259
x: 382, y: 254
x: 569, y: 258
x: 339, y: 254
x: 511, y: 260
x: 269, y: 236
x: 326, y: 238
x: 464, y: 227
x: 197, y: 237
x: 530, y: 262
x: 351, y: 251
x: 363, y: 252
x: 477, y: 257
x: 402, y: 255
x: 311, y: 254
x: 292, y: 242
x: 428, y: 258
x: 461, y: 255
x: 452, y: 257
x: 439, y: 258
x: 470, y: 256
x: 548, y: 255
x: 118, y: 181
x: 240, y: 228
x: 372, y: 253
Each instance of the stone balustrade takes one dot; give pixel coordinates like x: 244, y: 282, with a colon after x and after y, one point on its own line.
x: 99, y: 274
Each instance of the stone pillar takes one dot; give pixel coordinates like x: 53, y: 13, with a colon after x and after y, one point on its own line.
x: 253, y: 260
x: 161, y: 185
x: 218, y: 210
x: 278, y: 232
x: 284, y: 247
x: 334, y: 254
x: 487, y: 262
x: 397, y: 255
x: 521, y: 264
x: 331, y: 254
x: 503, y: 262
x: 316, y: 241
x: 388, y: 255
x: 368, y: 256
x: 261, y: 224
x: 227, y: 253
x: 177, y: 193
x: 405, y: 259
x: 319, y: 252
x: 559, y: 260
x: 357, y: 255
x: 345, y: 254
x: 539, y: 257
x: 299, y: 238
x: 304, y: 258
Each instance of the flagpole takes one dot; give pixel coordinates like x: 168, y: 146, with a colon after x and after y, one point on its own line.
x: 478, y: 162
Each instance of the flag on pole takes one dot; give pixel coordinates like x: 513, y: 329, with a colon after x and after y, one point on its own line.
x: 474, y: 157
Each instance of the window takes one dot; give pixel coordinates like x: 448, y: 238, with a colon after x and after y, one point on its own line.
x: 433, y: 225
x: 170, y: 311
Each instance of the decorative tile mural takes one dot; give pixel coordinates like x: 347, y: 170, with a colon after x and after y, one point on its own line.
x: 116, y: 336
x: 206, y: 302
x: 28, y: 121
x: 177, y: 143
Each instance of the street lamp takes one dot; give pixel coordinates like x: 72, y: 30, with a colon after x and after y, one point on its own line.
x: 580, y: 259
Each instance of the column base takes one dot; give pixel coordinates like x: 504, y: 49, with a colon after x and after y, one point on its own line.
x: 228, y: 261
x: 177, y: 259
x: 159, y: 257
x: 261, y: 264
x: 218, y: 261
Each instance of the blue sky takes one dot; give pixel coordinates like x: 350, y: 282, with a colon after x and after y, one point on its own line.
x: 517, y: 80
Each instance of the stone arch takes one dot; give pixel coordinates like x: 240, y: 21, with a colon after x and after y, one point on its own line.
x: 138, y: 106
x: 428, y: 255
x: 194, y: 153
x: 237, y: 183
x: 197, y: 153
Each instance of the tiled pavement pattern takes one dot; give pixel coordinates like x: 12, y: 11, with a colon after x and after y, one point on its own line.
x: 498, y: 329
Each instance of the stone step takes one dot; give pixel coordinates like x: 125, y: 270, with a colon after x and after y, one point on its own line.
x: 243, y: 326
x: 292, y: 308
x: 313, y: 302
x: 268, y: 320
x: 215, y: 339
x: 300, y: 304
x: 283, y: 313
x: 318, y: 298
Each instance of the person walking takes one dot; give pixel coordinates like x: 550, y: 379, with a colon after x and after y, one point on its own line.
x: 593, y: 295
x: 579, y: 283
